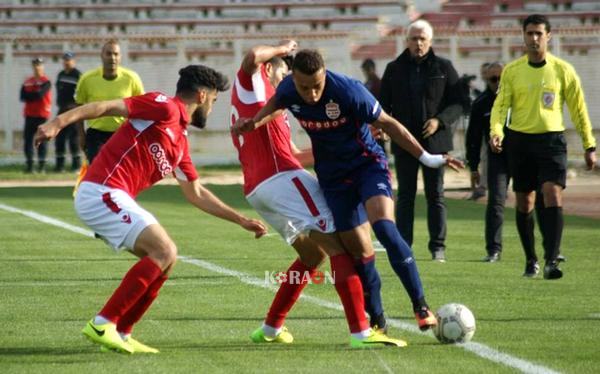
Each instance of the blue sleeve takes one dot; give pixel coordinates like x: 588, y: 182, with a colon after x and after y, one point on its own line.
x: 285, y: 92
x: 364, y: 105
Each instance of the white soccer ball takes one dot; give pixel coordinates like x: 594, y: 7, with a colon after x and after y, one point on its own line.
x: 456, y: 324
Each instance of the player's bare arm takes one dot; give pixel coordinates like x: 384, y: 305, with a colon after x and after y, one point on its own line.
x: 305, y: 156
x: 268, y: 112
x: 400, y: 134
x: 51, y: 128
x: 263, y: 53
x: 204, y: 200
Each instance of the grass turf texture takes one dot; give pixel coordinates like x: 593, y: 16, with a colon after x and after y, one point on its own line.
x: 52, y: 281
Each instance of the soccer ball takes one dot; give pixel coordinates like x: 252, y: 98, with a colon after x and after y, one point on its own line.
x: 456, y: 324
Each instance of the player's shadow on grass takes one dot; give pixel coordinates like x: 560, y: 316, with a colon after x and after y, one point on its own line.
x: 259, y: 319
x: 247, y: 345
x: 40, y: 351
x: 62, y: 260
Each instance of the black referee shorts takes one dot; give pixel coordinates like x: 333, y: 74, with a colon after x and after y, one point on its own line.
x: 534, y: 159
x: 94, y: 140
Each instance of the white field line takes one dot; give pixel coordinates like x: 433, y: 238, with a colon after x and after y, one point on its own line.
x: 480, y: 350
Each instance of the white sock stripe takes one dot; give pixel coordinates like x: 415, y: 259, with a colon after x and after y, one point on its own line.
x: 479, y: 349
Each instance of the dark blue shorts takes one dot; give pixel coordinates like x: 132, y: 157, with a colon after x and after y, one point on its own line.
x: 346, y: 198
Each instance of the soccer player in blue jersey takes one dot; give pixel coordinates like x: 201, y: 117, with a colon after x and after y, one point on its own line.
x: 351, y: 167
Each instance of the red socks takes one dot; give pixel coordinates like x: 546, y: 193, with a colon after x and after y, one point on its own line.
x: 288, y: 293
x: 347, y: 285
x: 349, y: 288
x: 134, y: 286
x: 126, y: 322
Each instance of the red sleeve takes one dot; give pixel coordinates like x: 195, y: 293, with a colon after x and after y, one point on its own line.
x: 153, y: 106
x: 185, y: 170
x: 245, y: 79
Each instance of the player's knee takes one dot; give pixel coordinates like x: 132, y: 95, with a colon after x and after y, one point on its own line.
x: 312, y: 260
x: 171, y: 253
x: 165, y: 254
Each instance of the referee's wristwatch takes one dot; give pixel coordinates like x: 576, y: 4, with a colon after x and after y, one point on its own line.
x: 591, y: 149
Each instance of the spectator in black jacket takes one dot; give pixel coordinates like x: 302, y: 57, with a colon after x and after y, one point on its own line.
x: 65, y: 91
x: 497, y: 165
x: 419, y: 89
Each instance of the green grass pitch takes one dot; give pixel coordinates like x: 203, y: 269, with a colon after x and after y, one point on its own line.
x: 53, y: 280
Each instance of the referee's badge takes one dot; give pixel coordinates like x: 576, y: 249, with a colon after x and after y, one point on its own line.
x: 332, y: 110
x: 548, y: 99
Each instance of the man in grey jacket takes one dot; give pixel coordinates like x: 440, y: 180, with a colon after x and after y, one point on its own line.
x: 419, y: 89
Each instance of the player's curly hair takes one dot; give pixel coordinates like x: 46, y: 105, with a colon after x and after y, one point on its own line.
x: 308, y: 61
x: 193, y: 77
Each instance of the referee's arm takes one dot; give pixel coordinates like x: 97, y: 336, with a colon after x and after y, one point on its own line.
x: 500, y: 109
x: 578, y: 109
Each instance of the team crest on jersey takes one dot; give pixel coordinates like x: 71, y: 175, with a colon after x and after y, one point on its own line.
x: 332, y: 110
x: 548, y: 99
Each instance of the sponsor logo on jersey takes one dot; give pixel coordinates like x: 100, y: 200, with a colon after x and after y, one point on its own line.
x: 160, y: 158
x: 382, y: 186
x: 295, y: 108
x: 332, y: 110
x: 126, y: 218
x: 322, y: 125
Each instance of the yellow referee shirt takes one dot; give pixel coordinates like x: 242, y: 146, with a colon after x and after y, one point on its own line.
x: 93, y: 87
x: 536, y: 97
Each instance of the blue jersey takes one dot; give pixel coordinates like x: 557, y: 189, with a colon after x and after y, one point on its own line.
x: 337, y: 125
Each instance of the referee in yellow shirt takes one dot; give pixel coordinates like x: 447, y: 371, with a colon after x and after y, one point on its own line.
x: 108, y: 82
x: 534, y: 88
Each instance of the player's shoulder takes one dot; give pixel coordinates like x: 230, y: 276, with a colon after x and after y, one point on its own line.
x: 159, y: 99
x: 560, y: 63
x: 128, y: 73
x: 515, y: 64
x: 91, y: 74
x: 343, y: 85
x: 286, y: 86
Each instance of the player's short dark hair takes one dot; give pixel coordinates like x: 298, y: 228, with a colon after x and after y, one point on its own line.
x: 277, y: 62
x: 368, y: 63
x: 193, y: 77
x: 308, y: 61
x: 537, y: 19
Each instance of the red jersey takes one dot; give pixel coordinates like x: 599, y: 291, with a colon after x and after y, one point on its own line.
x: 265, y: 151
x: 149, y: 145
x: 37, y: 96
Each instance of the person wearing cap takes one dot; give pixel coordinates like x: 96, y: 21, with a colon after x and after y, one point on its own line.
x: 37, y: 96
x: 65, y: 90
x: 108, y: 82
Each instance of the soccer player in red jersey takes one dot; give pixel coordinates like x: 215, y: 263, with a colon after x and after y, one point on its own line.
x: 290, y: 199
x: 351, y: 167
x: 151, y: 144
